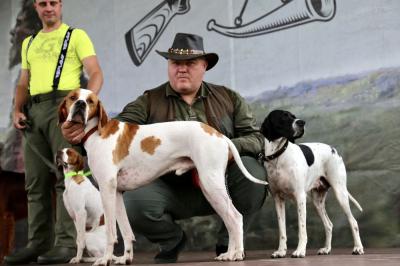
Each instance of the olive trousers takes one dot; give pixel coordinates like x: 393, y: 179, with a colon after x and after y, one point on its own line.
x: 45, y: 229
x: 153, y: 209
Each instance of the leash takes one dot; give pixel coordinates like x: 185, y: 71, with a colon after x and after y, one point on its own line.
x: 36, y: 151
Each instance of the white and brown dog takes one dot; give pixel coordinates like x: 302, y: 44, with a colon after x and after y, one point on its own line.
x: 125, y: 156
x: 83, y: 203
x: 294, y: 170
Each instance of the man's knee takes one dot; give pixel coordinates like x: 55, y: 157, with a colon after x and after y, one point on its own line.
x: 250, y: 203
x: 246, y: 195
x: 142, y: 212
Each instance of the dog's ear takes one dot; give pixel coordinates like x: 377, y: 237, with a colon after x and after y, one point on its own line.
x: 62, y: 112
x: 75, y: 160
x: 103, y: 117
x: 80, y: 163
x: 267, y: 129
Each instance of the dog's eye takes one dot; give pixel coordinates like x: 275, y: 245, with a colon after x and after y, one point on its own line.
x: 90, y: 101
x: 73, y: 98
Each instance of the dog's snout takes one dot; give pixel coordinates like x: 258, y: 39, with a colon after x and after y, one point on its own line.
x: 300, y: 123
x: 80, y: 103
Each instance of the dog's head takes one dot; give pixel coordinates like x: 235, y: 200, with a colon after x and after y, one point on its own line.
x: 281, y: 123
x: 69, y: 160
x: 81, y: 105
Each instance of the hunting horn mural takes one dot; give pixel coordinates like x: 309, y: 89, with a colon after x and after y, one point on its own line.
x: 280, y: 15
x: 141, y: 38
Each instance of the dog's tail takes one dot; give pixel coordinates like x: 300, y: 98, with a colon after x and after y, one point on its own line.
x: 240, y: 164
x: 355, y: 202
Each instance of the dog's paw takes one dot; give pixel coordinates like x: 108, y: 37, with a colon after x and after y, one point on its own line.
x: 279, y: 254
x: 324, y: 251
x: 299, y: 254
x: 123, y: 260
x: 231, y: 256
x: 75, y: 260
x: 119, y: 260
x: 102, y: 262
x: 358, y: 251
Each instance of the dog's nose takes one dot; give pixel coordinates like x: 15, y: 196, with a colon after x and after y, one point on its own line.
x: 80, y: 103
x: 300, y: 123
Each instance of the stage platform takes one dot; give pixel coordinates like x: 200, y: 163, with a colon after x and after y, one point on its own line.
x: 339, y: 257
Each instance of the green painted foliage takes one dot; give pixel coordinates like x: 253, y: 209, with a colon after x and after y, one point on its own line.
x: 359, y: 116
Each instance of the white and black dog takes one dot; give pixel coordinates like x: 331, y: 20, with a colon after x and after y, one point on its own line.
x: 294, y: 170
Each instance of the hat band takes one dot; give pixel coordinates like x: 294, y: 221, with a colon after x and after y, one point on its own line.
x: 185, y: 51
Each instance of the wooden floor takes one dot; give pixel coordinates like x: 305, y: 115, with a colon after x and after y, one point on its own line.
x: 339, y: 257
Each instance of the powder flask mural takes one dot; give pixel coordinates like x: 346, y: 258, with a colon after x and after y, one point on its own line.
x: 279, y: 15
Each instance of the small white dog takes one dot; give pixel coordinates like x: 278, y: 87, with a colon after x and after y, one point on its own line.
x: 83, y: 203
x: 294, y: 170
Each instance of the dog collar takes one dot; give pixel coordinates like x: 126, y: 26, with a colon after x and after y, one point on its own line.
x: 87, y: 135
x: 276, y: 154
x: 73, y: 173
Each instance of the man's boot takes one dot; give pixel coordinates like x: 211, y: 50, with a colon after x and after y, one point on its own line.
x: 24, y: 256
x: 57, y: 255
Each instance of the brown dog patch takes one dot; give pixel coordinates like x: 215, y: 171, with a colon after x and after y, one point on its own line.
x: 110, y: 128
x: 78, y: 179
x: 150, y: 144
x: 124, y: 142
x: 211, y: 130
x: 75, y: 159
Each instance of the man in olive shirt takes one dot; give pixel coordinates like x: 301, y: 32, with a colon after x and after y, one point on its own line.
x: 152, y: 209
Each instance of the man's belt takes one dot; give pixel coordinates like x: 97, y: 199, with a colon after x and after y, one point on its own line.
x: 38, y: 98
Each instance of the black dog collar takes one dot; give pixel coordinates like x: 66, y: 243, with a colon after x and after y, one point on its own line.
x: 276, y: 154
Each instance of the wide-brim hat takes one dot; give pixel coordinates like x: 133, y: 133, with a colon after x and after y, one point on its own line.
x: 188, y: 46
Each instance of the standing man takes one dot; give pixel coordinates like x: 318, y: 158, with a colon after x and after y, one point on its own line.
x: 154, y: 208
x: 51, y: 66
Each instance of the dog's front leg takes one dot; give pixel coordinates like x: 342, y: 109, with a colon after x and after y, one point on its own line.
x: 108, y: 190
x: 80, y: 225
x: 300, y: 252
x: 280, y: 213
x: 126, y: 231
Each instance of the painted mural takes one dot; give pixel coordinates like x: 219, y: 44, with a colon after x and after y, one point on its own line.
x: 333, y: 63
x: 278, y: 15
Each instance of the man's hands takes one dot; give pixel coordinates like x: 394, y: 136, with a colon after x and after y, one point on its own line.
x: 18, y: 119
x: 73, y: 132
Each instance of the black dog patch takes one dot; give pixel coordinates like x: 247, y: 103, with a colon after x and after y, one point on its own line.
x: 308, y: 154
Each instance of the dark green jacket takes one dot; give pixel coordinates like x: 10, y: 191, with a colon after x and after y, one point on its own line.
x: 215, y: 105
